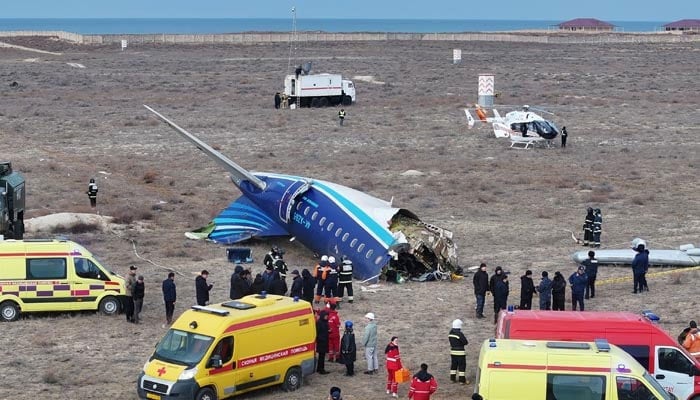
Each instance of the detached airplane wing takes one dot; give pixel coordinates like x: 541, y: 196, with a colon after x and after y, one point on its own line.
x: 680, y: 258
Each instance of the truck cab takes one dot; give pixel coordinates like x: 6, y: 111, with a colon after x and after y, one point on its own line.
x: 349, y: 89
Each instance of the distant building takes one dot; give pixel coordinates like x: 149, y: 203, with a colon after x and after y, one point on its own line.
x: 684, y: 25
x: 586, y: 24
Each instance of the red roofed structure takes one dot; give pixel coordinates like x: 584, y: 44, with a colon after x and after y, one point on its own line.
x: 684, y: 25
x: 586, y: 24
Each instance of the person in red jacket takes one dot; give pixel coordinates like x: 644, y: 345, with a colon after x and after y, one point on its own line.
x: 422, y: 385
x: 333, y: 332
x: 393, y: 364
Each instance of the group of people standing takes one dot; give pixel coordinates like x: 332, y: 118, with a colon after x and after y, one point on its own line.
x: 592, y: 227
x: 551, y: 292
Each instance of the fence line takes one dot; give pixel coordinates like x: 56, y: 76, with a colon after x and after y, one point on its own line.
x: 549, y: 37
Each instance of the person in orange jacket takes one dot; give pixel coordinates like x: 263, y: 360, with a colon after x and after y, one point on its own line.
x: 692, y: 340
x: 423, y: 384
x: 333, y: 332
x: 393, y: 364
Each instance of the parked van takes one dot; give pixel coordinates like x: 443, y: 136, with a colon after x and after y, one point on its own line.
x: 217, y: 351
x: 660, y: 354
x: 531, y: 369
x: 54, y: 275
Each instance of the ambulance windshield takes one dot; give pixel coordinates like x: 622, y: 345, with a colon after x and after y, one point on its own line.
x: 184, y: 348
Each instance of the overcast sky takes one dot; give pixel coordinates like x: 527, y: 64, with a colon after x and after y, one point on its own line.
x: 615, y: 10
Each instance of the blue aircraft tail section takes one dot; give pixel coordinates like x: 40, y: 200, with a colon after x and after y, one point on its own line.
x: 240, y: 221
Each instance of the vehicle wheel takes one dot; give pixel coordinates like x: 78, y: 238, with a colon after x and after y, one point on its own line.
x: 347, y: 100
x: 315, y: 102
x: 9, y: 311
x: 323, y: 102
x: 206, y: 394
x: 109, y: 305
x: 292, y: 380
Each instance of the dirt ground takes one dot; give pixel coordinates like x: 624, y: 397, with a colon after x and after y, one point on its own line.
x: 632, y: 112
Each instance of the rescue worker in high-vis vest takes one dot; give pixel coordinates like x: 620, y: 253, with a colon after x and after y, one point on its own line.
x: 345, y: 280
x: 341, y: 116
x: 588, y: 227
x: 597, y: 226
x: 92, y: 192
x: 320, y: 274
x: 458, y: 355
x: 330, y: 287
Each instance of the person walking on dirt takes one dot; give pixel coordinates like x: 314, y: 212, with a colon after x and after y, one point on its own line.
x: 588, y: 227
x: 169, y: 297
x: 92, y: 192
x: 341, y: 116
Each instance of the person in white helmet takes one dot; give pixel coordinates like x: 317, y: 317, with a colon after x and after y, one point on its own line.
x: 330, y: 286
x: 320, y: 271
x: 458, y: 355
x: 369, y: 340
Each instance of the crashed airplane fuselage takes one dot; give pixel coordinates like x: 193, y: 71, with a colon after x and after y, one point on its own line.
x: 325, y: 217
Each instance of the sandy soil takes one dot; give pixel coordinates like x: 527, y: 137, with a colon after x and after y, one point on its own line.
x: 631, y: 112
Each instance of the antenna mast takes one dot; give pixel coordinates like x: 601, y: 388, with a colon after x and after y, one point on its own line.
x: 292, y: 40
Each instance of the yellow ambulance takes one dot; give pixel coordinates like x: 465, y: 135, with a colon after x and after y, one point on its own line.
x: 538, y: 370
x: 222, y: 350
x: 54, y: 275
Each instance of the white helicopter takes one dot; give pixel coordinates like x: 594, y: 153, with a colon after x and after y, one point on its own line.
x: 524, y: 127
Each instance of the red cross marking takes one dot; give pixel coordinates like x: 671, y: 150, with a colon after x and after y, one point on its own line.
x: 161, y: 371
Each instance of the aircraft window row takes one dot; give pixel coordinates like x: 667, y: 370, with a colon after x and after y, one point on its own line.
x: 353, y: 242
x: 360, y: 247
x: 299, y: 204
x: 306, y: 210
x: 369, y: 253
x: 346, y: 237
x: 330, y: 227
x: 314, y: 216
x: 322, y: 221
x: 338, y: 232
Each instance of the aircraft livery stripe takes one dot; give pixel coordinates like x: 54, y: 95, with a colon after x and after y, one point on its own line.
x: 267, y: 320
x: 381, y: 232
x: 550, y: 368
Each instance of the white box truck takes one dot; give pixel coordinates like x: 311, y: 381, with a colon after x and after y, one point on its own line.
x: 319, y: 90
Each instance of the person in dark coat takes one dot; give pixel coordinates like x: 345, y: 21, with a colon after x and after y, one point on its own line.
x: 588, y: 227
x: 527, y: 290
x: 258, y: 285
x: 558, y: 292
x: 545, y: 291
x: 497, y: 276
x: 278, y: 100
x: 348, y: 349
x: 202, y: 288
x: 481, y: 286
x: 239, y: 287
x: 278, y: 285
x: 297, y: 285
x: 308, y: 285
x: 564, y: 135
x: 640, y: 264
x: 169, y: 297
x: 500, y: 296
x: 267, y: 276
x: 322, y: 342
x: 139, y: 292
x: 591, y: 265
x: 458, y: 356
x: 597, y: 226
x: 578, y: 281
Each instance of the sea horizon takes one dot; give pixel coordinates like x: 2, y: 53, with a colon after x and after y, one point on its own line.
x: 239, y: 25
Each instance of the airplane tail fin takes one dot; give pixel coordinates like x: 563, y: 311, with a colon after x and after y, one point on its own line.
x: 470, y: 119
x: 496, y: 115
x: 238, y: 173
